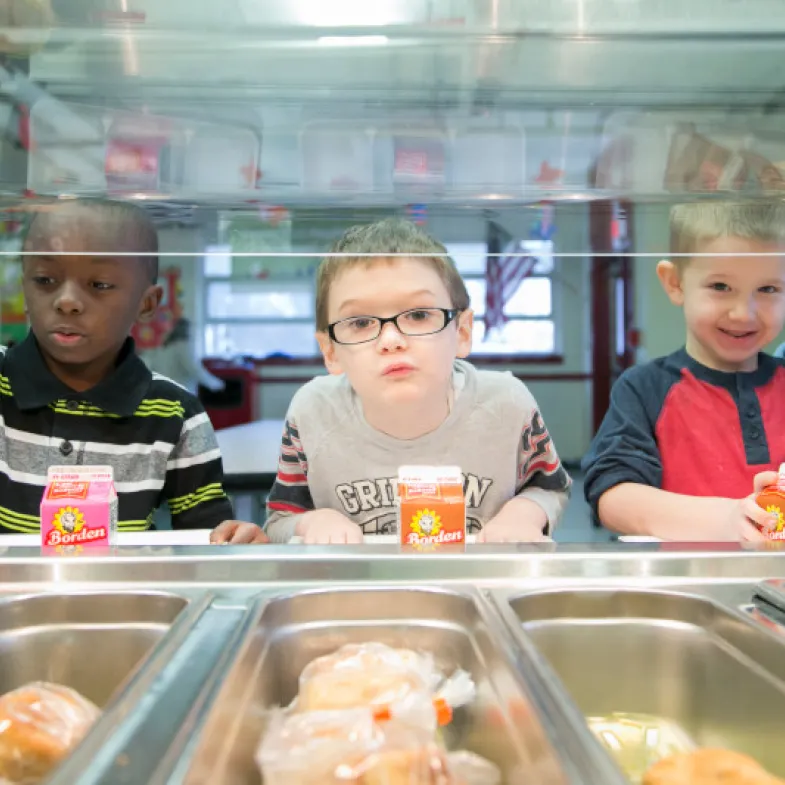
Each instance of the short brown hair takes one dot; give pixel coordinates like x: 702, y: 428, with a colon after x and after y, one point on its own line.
x: 368, y: 243
x: 697, y: 223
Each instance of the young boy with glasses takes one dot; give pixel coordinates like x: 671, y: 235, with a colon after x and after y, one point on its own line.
x: 393, y: 316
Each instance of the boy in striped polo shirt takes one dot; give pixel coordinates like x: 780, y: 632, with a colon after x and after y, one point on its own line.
x: 75, y: 392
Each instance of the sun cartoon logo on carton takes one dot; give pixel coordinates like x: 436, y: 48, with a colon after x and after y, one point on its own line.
x: 425, y: 523
x: 69, y: 520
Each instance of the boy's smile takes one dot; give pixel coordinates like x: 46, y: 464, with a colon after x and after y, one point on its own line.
x: 733, y: 295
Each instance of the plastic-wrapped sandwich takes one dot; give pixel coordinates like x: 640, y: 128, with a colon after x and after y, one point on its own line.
x: 377, y: 676
x: 352, y: 747
x: 369, y: 715
x: 39, y: 726
x: 709, y: 767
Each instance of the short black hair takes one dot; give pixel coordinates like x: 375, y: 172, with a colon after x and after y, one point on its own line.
x: 128, y: 223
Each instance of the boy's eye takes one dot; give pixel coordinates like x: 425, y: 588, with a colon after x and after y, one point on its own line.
x: 771, y: 289
x: 102, y: 286
x: 421, y: 315
x: 360, y: 323
x: 718, y: 286
x: 43, y: 280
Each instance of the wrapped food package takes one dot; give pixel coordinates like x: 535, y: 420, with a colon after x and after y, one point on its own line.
x: 352, y: 747
x: 40, y: 724
x: 709, y: 767
x: 375, y: 675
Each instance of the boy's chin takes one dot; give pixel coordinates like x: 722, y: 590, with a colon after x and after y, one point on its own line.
x: 735, y: 360
x: 403, y: 393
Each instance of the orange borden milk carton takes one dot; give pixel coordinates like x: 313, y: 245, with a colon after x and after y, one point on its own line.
x: 432, y: 508
x: 79, y: 508
x: 772, y: 499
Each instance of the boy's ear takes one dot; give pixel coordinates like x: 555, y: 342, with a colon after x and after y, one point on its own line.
x: 327, y: 348
x: 670, y: 278
x: 465, y: 333
x: 151, y: 299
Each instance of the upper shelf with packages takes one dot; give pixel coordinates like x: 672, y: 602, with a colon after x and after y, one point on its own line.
x: 392, y: 101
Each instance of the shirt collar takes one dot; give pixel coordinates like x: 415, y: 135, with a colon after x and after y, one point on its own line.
x: 767, y: 365
x: 35, y: 386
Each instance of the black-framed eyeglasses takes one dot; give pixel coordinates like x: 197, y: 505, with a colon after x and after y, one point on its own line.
x: 417, y: 321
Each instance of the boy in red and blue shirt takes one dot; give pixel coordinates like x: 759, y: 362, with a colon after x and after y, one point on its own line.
x: 689, y: 438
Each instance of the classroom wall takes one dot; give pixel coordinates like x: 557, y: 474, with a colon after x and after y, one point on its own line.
x: 182, y: 247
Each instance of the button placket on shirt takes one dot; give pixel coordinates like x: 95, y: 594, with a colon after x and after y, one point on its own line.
x: 751, y: 421
x: 66, y: 449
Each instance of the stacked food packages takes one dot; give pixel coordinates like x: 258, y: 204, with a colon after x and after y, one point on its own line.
x: 369, y: 714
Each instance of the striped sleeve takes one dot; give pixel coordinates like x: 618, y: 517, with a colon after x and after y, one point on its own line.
x: 541, y: 476
x: 194, y: 476
x: 290, y: 495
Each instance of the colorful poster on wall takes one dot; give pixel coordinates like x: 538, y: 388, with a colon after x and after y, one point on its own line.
x: 13, y: 319
x: 151, y: 335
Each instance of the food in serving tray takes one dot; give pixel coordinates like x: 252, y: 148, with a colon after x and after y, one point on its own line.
x: 40, y: 724
x: 636, y: 741
x: 375, y: 675
x: 354, y: 747
x: 709, y: 767
x: 368, y: 714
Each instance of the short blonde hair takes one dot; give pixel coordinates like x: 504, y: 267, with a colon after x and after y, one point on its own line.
x: 381, y: 239
x: 697, y: 223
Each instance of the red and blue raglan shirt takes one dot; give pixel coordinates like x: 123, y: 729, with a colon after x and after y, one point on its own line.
x: 680, y: 426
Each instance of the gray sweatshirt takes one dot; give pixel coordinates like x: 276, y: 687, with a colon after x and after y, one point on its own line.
x: 332, y: 458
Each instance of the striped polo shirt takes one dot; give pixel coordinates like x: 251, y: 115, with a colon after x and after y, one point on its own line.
x: 153, y: 432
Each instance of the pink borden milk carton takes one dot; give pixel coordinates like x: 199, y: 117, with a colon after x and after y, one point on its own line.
x: 79, y: 509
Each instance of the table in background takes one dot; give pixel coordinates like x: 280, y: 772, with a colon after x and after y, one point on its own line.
x: 250, y: 458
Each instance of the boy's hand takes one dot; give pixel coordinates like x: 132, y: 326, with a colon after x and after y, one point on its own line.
x: 520, y: 520
x: 238, y: 533
x: 747, y: 521
x: 328, y: 527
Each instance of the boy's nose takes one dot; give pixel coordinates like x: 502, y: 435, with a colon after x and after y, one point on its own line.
x: 743, y: 308
x: 391, y: 338
x: 68, y: 299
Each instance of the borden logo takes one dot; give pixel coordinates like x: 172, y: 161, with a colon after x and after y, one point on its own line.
x: 442, y: 538
x: 56, y: 537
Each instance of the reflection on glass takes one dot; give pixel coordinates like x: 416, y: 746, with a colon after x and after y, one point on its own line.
x: 260, y: 340
x: 516, y: 337
x: 258, y: 299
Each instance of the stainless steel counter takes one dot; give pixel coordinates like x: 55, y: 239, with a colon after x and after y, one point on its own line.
x: 184, y: 647
x: 243, y: 567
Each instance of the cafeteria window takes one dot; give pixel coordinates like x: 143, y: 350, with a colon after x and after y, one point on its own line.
x: 530, y: 326
x: 260, y: 317
x: 257, y: 316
